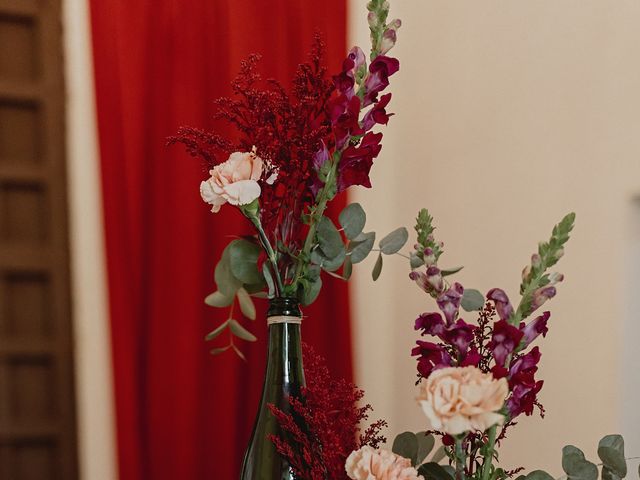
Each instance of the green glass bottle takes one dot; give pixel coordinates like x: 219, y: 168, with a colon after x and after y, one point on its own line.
x: 284, y: 378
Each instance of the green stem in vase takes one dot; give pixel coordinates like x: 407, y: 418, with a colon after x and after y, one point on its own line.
x: 488, y: 459
x: 459, y: 459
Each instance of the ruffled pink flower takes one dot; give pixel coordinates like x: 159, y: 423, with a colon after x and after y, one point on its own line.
x: 370, y: 464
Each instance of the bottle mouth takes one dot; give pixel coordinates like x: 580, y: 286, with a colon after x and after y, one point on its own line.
x: 284, y: 307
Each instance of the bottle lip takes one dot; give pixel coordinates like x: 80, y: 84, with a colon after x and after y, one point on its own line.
x: 284, y: 307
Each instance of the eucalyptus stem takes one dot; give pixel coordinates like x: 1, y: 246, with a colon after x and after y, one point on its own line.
x: 459, y: 459
x: 488, y: 459
x: 271, y: 254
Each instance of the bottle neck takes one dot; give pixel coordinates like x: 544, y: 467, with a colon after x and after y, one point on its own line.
x: 284, y: 366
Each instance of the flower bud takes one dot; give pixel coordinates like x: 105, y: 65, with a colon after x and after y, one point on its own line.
x: 541, y: 295
x: 388, y: 41
x: 395, y: 24
x: 555, y: 277
x: 526, y: 272
x: 434, y: 278
x: 372, y: 18
x: 536, y: 260
x: 429, y: 257
x: 559, y: 253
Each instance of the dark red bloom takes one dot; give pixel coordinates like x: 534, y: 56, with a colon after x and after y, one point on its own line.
x: 502, y: 303
x: 377, y: 114
x: 523, y: 385
x: 472, y: 358
x: 356, y: 162
x: 432, y: 357
x: 379, y: 72
x: 460, y: 335
x: 449, y: 302
x: 345, y: 114
x: 504, y: 341
x: 430, y: 324
x: 535, y: 327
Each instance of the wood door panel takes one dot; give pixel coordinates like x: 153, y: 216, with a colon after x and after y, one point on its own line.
x: 37, y: 410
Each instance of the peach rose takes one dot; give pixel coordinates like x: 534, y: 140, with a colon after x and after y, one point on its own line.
x: 461, y: 399
x: 234, y: 181
x: 370, y: 464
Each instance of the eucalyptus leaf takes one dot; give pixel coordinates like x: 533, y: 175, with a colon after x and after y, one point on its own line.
x: 426, y: 442
x: 243, y: 259
x: 611, y: 452
x: 434, y: 471
x: 450, y: 271
x: 329, y: 264
x: 218, y: 351
x: 393, y: 242
x: 361, y: 246
x: 268, y: 278
x: 218, y: 299
x: 538, y: 475
x: 311, y: 291
x: 225, y: 280
x: 576, y: 466
x: 247, y: 307
x: 352, y: 220
x: 347, y: 268
x: 472, y: 300
x: 406, y: 445
x: 415, y: 261
x: 241, y: 332
x: 238, y: 352
x: 329, y: 238
x: 377, y: 268
x: 215, y: 333
x: 439, y: 454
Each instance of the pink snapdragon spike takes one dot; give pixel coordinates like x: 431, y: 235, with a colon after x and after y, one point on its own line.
x: 523, y: 384
x: 535, y: 328
x: 356, y: 162
x: 449, y: 302
x: 377, y: 115
x: 502, y: 303
x: 506, y: 338
x: 432, y: 357
x: 378, y: 79
x: 541, y: 295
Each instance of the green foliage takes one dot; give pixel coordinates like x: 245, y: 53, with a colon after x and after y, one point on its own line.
x: 243, y: 261
x: 377, y: 268
x: 426, y: 442
x: 218, y: 300
x: 433, y: 471
x: 241, y: 332
x: 268, y: 278
x: 329, y: 238
x: 247, y: 307
x: 394, y: 241
x: 216, y: 333
x: 576, y: 466
x: 424, y: 228
x: 406, y: 445
x: 352, y: 220
x: 227, y: 283
x: 611, y: 452
x: 537, y: 475
x: 472, y: 300
x: 361, y: 246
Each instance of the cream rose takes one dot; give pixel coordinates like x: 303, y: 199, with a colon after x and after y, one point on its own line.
x: 370, y: 464
x: 234, y: 181
x: 461, y: 399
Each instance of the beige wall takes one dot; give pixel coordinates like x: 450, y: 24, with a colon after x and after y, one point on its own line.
x: 510, y: 114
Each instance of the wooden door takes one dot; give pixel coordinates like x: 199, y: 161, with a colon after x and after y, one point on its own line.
x: 37, y: 421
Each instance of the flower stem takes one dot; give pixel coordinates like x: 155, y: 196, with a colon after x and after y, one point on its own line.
x: 271, y: 254
x: 459, y: 458
x: 488, y: 459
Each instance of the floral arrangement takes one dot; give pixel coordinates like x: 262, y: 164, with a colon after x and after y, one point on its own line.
x: 297, y: 150
x: 474, y: 379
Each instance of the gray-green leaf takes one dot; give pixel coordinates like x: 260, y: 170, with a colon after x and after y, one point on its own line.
x: 439, y: 454
x: 450, y: 271
x: 347, y: 268
x: 215, y: 333
x: 434, y: 471
x: 246, y: 304
x: 241, y: 332
x: 472, y: 300
x: 611, y: 452
x: 576, y: 466
x: 415, y: 261
x: 329, y: 238
x: 312, y: 291
x: 352, y: 219
x: 243, y: 259
x: 406, y: 445
x: 377, y: 268
x: 225, y: 280
x: 539, y: 475
x: 393, y: 242
x: 268, y: 278
x: 218, y: 351
x: 218, y: 299
x: 426, y: 443
x: 361, y: 246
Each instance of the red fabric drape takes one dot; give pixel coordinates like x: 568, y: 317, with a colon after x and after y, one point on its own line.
x: 181, y: 413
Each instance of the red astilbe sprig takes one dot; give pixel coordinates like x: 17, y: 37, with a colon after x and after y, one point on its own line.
x: 285, y: 127
x: 325, y: 424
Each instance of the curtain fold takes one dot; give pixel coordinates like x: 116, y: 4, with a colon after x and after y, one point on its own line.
x: 181, y: 413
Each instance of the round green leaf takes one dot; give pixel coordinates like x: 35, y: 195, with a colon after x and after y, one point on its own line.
x: 576, y: 466
x: 539, y: 475
x: 439, y: 454
x: 434, y: 471
x: 472, y: 300
x: 361, y: 246
x: 347, y: 268
x: 241, y: 332
x: 352, y: 220
x: 329, y: 238
x: 406, y: 445
x: 247, y: 306
x: 218, y: 351
x: 393, y: 242
x: 218, y: 299
x: 611, y: 452
x: 243, y: 260
x: 426, y: 443
x: 377, y: 268
x: 311, y: 291
x: 415, y: 261
x: 225, y: 280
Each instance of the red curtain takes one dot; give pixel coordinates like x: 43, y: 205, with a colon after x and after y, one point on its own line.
x: 182, y: 413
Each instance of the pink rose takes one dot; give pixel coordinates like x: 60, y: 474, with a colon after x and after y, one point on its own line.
x: 234, y: 181
x: 461, y: 399
x: 370, y: 464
